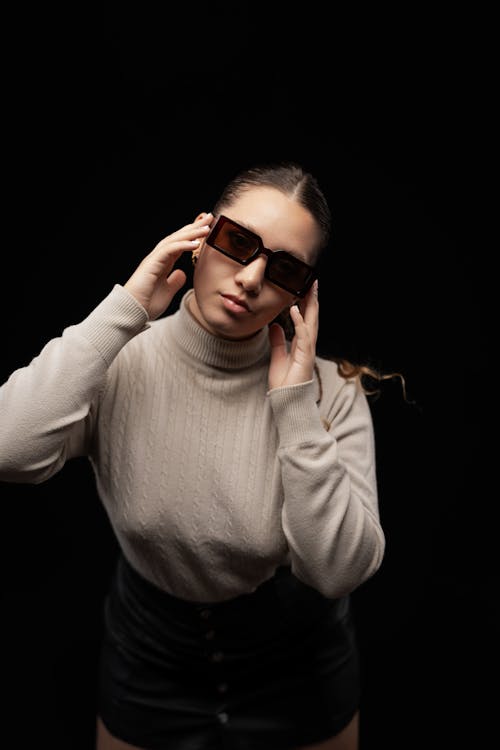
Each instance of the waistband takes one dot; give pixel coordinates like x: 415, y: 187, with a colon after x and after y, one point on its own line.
x: 281, y: 595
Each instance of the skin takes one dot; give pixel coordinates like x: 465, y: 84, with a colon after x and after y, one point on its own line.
x: 283, y: 224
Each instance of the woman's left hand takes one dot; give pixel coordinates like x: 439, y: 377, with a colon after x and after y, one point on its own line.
x: 294, y: 366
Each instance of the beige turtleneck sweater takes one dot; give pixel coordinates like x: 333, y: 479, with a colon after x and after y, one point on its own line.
x: 210, y: 480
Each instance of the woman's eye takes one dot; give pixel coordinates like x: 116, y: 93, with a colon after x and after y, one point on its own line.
x: 240, y: 243
x: 285, y: 266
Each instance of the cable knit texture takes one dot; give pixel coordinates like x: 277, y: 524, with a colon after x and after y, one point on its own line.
x: 209, y: 479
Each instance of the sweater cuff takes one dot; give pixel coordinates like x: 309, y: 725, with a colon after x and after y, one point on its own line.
x: 296, y: 414
x: 114, y: 322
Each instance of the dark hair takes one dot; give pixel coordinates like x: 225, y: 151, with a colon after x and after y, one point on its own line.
x: 294, y: 181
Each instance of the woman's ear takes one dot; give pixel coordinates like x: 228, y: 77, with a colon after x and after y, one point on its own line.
x: 196, y: 253
x: 202, y: 239
x: 202, y: 214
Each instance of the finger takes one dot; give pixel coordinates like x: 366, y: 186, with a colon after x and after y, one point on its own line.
x: 296, y: 316
x: 198, y: 228
x: 277, y: 339
x: 304, y: 339
x: 167, y: 251
x: 309, y: 307
x: 196, y: 231
x: 176, y: 281
x: 171, y: 286
x: 279, y: 356
x: 310, y: 311
x: 166, y: 290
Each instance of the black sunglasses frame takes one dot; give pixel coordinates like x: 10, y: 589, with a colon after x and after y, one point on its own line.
x: 262, y: 250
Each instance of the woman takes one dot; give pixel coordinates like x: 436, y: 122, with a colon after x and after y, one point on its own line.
x: 237, y: 469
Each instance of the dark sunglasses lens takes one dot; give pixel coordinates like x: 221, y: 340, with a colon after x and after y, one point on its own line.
x: 236, y: 242
x: 281, y: 268
x: 288, y: 272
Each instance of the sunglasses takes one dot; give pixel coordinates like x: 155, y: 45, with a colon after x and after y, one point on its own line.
x: 244, y: 246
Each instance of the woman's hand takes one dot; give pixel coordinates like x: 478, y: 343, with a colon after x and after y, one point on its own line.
x: 153, y: 283
x: 297, y: 365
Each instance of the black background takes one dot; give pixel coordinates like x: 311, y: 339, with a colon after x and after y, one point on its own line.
x: 118, y: 129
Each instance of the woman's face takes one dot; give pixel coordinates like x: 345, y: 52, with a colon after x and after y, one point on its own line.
x: 234, y: 301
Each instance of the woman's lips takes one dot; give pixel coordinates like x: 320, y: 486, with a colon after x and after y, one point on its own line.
x: 234, y: 304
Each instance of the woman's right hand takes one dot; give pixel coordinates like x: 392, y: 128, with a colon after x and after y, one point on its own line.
x: 153, y: 283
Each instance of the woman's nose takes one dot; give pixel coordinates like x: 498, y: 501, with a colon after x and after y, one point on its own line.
x: 251, y: 277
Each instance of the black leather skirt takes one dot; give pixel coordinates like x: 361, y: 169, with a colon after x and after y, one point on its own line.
x: 270, y: 670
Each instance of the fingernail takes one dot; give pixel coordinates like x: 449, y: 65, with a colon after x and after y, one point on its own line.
x: 195, y: 242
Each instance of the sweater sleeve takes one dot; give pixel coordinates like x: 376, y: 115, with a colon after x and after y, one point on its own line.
x: 47, y: 409
x: 330, y: 511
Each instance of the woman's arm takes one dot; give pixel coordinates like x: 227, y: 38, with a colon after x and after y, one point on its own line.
x: 330, y: 513
x: 47, y: 407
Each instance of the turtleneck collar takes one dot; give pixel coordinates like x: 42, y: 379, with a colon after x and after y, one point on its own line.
x: 212, y: 350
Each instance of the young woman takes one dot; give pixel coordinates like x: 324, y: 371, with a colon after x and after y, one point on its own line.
x: 237, y: 469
